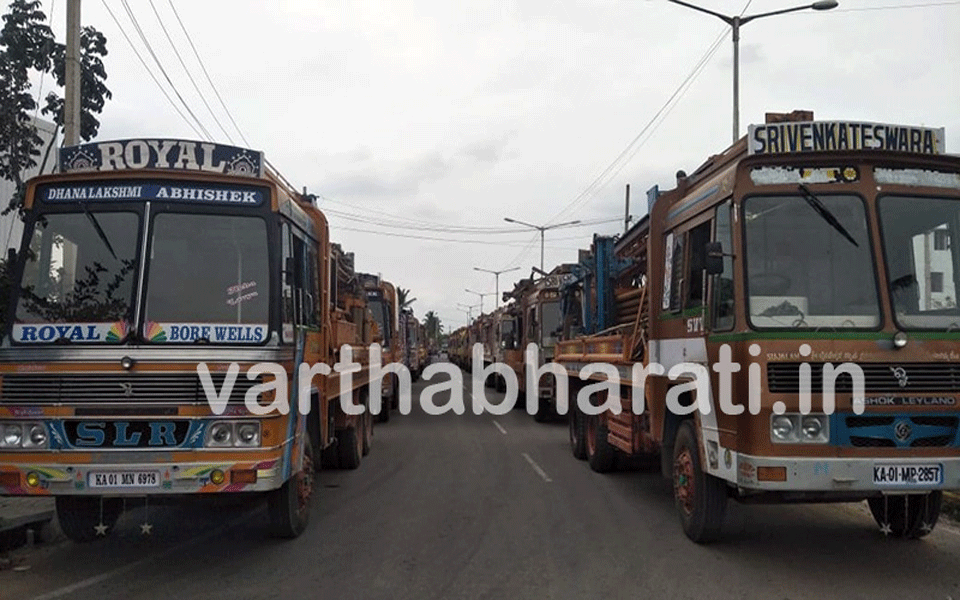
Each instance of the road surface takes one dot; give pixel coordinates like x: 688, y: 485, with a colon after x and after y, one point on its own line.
x: 491, y: 507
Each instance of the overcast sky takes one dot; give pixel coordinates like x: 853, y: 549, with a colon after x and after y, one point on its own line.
x: 434, y: 115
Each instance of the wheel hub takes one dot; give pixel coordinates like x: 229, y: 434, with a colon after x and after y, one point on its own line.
x: 683, y: 481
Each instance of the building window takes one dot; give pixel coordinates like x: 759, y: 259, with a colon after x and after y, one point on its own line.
x: 936, y: 282
x: 941, y: 239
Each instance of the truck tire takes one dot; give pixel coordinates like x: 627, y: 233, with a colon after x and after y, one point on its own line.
x: 700, y: 498
x: 907, y: 516
x: 367, y: 420
x: 349, y: 447
x: 578, y: 442
x: 289, y: 506
x: 601, y: 456
x: 79, y: 516
x: 543, y: 411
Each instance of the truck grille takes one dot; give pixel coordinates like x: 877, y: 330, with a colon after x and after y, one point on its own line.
x: 82, y: 389
x: 888, y: 431
x: 885, y: 378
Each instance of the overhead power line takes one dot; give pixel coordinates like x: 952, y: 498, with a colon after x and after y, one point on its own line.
x: 149, y: 71
x: 207, y: 74
x: 183, y: 64
x: 163, y: 71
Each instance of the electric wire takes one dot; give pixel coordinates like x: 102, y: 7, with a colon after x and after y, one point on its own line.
x: 146, y: 67
x: 163, y: 71
x: 206, y: 74
x: 183, y: 64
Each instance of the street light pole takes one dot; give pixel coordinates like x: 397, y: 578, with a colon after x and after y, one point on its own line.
x: 467, y: 308
x: 541, y: 229
x: 481, y: 294
x: 496, y: 278
x: 735, y: 21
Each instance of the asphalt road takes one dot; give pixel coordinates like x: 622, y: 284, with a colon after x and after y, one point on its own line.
x: 491, y: 507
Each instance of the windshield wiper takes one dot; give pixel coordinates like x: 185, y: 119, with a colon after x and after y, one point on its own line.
x: 100, y: 232
x: 817, y: 205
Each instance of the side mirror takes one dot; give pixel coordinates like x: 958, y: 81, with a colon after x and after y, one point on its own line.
x: 714, y: 259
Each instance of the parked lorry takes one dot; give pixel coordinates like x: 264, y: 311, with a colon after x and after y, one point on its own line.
x: 152, y: 276
x: 805, y: 246
x: 381, y: 296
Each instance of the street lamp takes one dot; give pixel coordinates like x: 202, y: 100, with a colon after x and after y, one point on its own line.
x: 481, y: 294
x: 496, y: 276
x: 467, y: 308
x: 735, y: 22
x: 541, y: 229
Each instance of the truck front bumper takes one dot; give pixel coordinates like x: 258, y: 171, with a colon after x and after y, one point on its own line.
x: 828, y: 474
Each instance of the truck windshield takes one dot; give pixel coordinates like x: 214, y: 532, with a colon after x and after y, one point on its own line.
x: 922, y: 259
x: 379, y: 310
x: 550, y: 316
x: 208, y: 269
x: 805, y: 272
x: 80, y: 267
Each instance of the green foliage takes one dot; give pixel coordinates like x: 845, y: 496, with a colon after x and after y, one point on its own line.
x: 27, y: 45
x: 434, y: 327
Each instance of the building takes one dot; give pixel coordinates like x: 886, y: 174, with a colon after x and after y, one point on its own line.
x: 11, y: 227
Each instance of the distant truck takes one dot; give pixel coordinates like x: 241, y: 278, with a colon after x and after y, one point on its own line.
x: 805, y: 244
x: 381, y: 299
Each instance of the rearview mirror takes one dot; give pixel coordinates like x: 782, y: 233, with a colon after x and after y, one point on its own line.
x: 714, y: 260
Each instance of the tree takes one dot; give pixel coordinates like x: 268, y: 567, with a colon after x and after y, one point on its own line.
x: 27, y: 45
x: 434, y: 328
x: 403, y: 298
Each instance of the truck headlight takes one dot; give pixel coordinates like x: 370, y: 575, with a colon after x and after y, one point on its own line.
x: 815, y: 428
x: 248, y: 434
x: 23, y: 435
x: 220, y: 435
x: 798, y: 428
x: 230, y: 434
x: 783, y: 428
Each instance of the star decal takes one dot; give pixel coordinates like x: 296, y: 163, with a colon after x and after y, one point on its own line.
x: 926, y: 527
x: 146, y: 528
x: 885, y: 529
x: 101, y: 529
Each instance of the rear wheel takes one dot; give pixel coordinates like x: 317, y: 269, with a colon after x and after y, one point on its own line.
x: 578, y: 443
x: 289, y: 505
x: 85, y: 518
x: 601, y: 456
x: 350, y: 446
x: 701, y: 498
x: 910, y: 516
x: 543, y: 411
x: 367, y: 420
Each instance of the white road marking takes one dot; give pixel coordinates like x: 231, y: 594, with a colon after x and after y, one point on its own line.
x: 179, y: 548
x: 500, y: 427
x: 537, y: 468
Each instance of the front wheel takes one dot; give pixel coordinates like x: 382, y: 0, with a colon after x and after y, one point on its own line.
x: 909, y: 516
x: 701, y: 498
x: 290, y: 504
x: 85, y: 518
x: 601, y: 455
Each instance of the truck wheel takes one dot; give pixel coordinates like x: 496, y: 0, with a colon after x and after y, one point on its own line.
x: 543, y: 411
x: 601, y: 456
x: 701, y: 498
x: 350, y: 447
x: 386, y: 404
x: 289, y: 505
x: 367, y: 420
x: 578, y: 445
x: 80, y: 516
x: 907, y: 516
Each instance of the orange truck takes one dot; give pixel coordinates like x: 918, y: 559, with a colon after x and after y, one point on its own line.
x: 816, y: 258
x: 165, y: 298
x: 381, y: 297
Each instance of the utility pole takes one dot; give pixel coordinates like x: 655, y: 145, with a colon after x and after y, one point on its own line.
x: 496, y: 275
x: 71, y: 100
x: 626, y: 213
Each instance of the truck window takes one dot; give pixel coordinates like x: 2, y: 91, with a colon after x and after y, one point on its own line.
x: 697, y: 244
x: 723, y: 303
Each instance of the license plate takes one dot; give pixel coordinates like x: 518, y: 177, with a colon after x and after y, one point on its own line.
x: 908, y: 475
x: 123, y: 479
